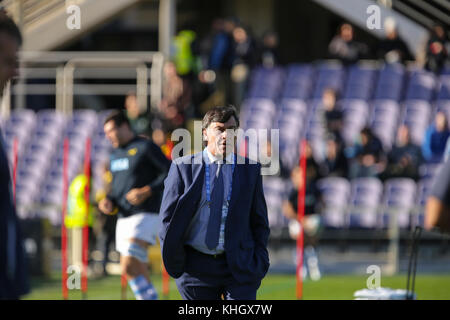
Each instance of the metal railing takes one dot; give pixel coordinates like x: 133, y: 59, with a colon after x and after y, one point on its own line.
x: 63, y: 68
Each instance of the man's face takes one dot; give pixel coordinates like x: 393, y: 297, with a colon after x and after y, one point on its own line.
x: 8, y: 59
x: 220, y: 140
x: 115, y: 134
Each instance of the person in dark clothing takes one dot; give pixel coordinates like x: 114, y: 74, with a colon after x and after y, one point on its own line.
x: 343, y: 46
x: 138, y: 168
x: 405, y: 157
x: 437, y: 49
x: 335, y: 163
x: 245, y: 58
x: 392, y: 48
x: 333, y: 117
x: 269, y: 55
x: 369, y: 156
x: 14, y: 277
x: 311, y: 223
x: 436, y: 136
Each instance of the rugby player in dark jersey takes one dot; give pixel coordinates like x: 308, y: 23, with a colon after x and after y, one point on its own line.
x: 139, y: 168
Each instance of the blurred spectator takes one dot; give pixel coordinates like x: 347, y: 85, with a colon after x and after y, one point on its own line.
x: 369, y: 159
x: 269, y: 56
x: 436, y: 136
x: 405, y: 157
x: 206, y: 43
x: 221, y: 58
x: 138, y: 121
x: 162, y: 140
x: 343, y: 47
x: 335, y: 162
x: 14, y: 273
x: 107, y: 222
x: 312, y: 167
x: 221, y: 55
x: 392, y: 48
x: 183, y: 53
x: 176, y: 98
x: 437, y: 49
x: 311, y: 222
x: 333, y: 116
x: 244, y: 60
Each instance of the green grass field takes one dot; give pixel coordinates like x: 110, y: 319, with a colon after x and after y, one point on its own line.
x: 273, y: 287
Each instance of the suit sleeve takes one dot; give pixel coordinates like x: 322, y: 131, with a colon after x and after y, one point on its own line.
x: 173, y: 189
x: 259, y: 221
x: 160, y: 161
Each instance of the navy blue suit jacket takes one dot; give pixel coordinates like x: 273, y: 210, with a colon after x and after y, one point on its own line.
x: 246, y: 228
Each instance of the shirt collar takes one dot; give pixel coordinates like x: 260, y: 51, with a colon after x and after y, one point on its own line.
x: 211, y: 158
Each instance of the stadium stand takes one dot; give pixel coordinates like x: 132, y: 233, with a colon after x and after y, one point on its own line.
x: 380, y: 96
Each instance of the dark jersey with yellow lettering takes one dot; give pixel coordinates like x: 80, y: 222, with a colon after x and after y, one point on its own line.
x: 135, y: 165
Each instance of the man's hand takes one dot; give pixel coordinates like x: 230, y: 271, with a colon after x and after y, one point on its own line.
x: 137, y: 196
x: 106, y: 206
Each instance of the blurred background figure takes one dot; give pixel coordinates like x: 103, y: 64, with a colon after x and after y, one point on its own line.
x: 269, y: 55
x: 405, y: 157
x: 333, y: 117
x: 222, y: 56
x: 311, y: 224
x: 176, y: 98
x: 106, y: 222
x: 244, y: 60
x: 437, y: 49
x: 76, y: 215
x: 139, y: 121
x: 14, y: 273
x: 392, y: 48
x: 343, y: 46
x: 435, y: 140
x: 335, y: 163
x: 369, y: 158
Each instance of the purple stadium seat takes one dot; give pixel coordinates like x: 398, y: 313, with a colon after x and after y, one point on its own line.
x: 329, y: 75
x: 335, y: 192
x: 399, y: 199
x: 390, y: 82
x: 360, y: 82
x: 299, y: 81
x: 364, y: 200
x: 444, y: 87
x: 422, y: 85
x: 275, y: 191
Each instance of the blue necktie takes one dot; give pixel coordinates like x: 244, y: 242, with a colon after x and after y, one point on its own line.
x: 215, y: 215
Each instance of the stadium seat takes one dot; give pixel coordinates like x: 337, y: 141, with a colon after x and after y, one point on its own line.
x: 276, y: 191
x: 365, y: 197
x: 421, y: 86
x: 299, y: 82
x: 329, y: 75
x: 399, y: 200
x: 360, y: 82
x: 390, y: 82
x: 335, y: 193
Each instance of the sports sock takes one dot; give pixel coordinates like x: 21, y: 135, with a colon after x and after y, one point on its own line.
x: 142, y: 289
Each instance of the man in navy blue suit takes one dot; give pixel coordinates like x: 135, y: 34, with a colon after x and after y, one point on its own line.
x: 214, y: 225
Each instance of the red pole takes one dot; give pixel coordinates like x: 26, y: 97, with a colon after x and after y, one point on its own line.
x: 85, y: 245
x: 15, y: 161
x: 165, y: 282
x: 63, y: 225
x: 123, y: 283
x: 300, y: 215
